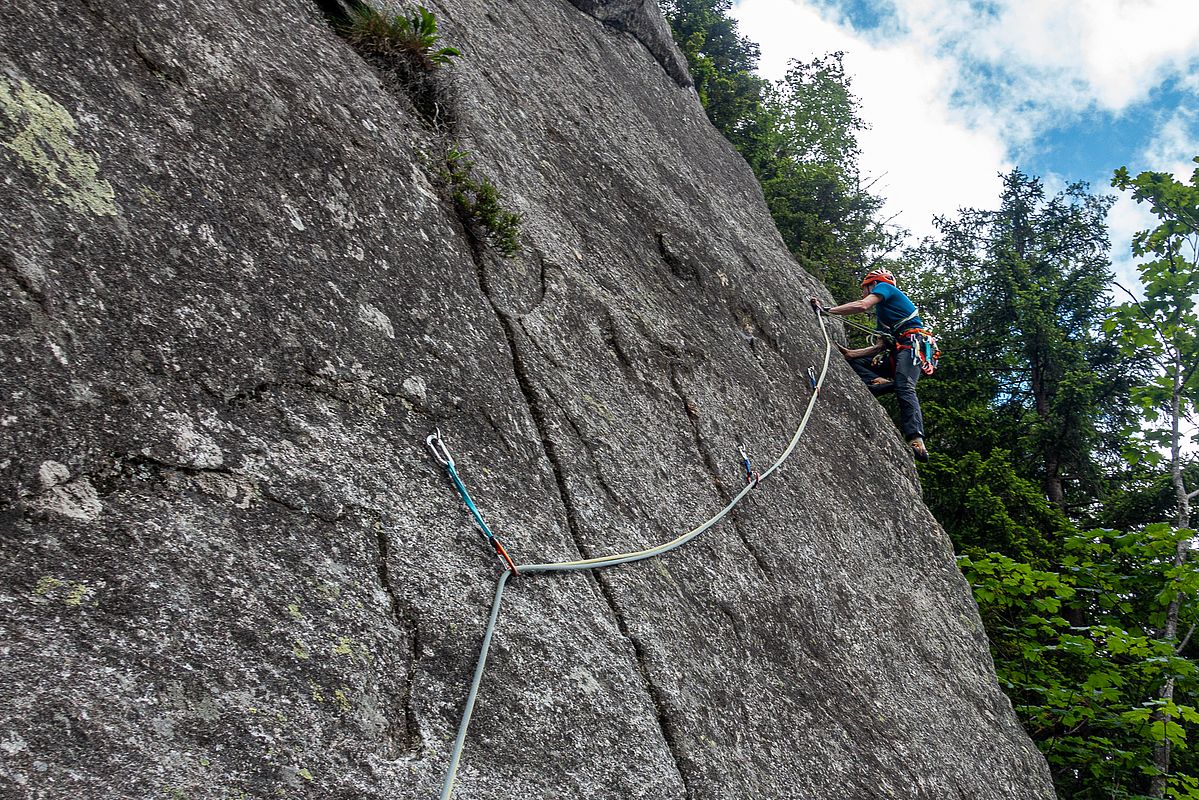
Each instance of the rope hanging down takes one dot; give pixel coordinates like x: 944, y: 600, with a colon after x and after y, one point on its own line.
x: 443, y: 458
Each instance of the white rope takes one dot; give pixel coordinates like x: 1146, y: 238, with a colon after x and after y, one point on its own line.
x: 612, y: 561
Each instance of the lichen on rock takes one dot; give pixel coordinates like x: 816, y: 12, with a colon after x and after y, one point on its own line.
x: 41, y: 133
x: 229, y: 565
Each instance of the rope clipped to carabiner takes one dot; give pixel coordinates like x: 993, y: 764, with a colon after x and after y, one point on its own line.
x: 600, y: 562
x: 752, y: 478
x: 441, y: 454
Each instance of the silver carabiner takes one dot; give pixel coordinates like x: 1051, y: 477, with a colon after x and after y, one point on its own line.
x: 437, y: 447
x: 812, y: 376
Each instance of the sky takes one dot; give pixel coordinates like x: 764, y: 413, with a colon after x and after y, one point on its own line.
x: 958, y: 91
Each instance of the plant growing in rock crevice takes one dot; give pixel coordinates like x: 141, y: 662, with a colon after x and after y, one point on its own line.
x: 478, y: 201
x: 413, y: 38
x: 405, y: 52
x: 404, y: 49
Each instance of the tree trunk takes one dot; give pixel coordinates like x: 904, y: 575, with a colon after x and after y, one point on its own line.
x: 1052, y: 483
x: 1161, y: 751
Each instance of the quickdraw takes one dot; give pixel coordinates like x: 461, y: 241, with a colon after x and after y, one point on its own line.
x: 441, y: 454
x: 751, y: 477
x: 925, y: 352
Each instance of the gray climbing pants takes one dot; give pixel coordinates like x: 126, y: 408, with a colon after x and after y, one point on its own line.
x: 903, y: 373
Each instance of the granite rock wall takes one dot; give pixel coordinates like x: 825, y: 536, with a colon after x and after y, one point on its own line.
x: 236, y: 294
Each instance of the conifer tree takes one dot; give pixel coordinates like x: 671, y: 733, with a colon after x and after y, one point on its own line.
x: 799, y: 136
x: 1028, y: 283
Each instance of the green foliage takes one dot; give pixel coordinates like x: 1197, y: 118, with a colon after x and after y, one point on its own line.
x: 722, y: 64
x: 1019, y: 295
x: 809, y: 174
x: 1142, y: 492
x: 1027, y: 416
x: 478, y: 200
x: 413, y: 38
x: 1085, y: 627
x: 1078, y: 649
x: 798, y: 135
x: 1164, y: 326
x: 815, y: 115
x: 989, y: 510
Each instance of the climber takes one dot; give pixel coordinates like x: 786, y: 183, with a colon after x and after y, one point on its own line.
x: 882, y: 365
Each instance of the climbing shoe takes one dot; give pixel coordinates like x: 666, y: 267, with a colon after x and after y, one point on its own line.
x: 919, y: 450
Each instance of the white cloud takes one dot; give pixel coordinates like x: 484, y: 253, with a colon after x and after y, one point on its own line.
x: 1175, y: 142
x: 1126, y: 218
x: 1071, y: 54
x: 929, y: 159
x: 954, y: 94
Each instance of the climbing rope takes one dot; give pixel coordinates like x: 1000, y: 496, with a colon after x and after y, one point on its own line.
x: 447, y: 787
x: 822, y: 312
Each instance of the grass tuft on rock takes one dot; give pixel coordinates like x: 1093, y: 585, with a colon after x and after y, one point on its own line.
x: 413, y: 38
x: 478, y: 201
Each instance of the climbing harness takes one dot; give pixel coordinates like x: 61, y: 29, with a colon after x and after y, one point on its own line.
x: 441, y: 454
x: 437, y: 446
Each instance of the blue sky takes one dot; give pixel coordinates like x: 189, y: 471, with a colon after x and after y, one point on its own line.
x: 957, y: 91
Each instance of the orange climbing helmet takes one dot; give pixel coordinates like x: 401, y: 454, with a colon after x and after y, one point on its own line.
x: 878, y: 276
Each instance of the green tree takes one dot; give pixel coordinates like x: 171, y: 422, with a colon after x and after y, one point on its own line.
x: 1165, y: 327
x: 723, y: 64
x: 799, y: 136
x: 1092, y: 632
x: 1143, y: 492
x: 1080, y: 687
x: 1023, y: 293
x: 810, y: 176
x: 990, y: 509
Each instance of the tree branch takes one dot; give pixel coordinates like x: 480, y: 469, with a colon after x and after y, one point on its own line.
x: 1186, y: 638
x: 1161, y: 334
x: 1189, y: 371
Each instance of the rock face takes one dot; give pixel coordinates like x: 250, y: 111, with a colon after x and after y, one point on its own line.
x: 235, y: 296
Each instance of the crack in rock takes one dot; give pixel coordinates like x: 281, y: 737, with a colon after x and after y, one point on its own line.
x: 410, y: 737
x: 528, y: 389
x: 691, y: 411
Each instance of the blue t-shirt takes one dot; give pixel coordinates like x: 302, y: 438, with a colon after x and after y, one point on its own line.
x: 894, y: 307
